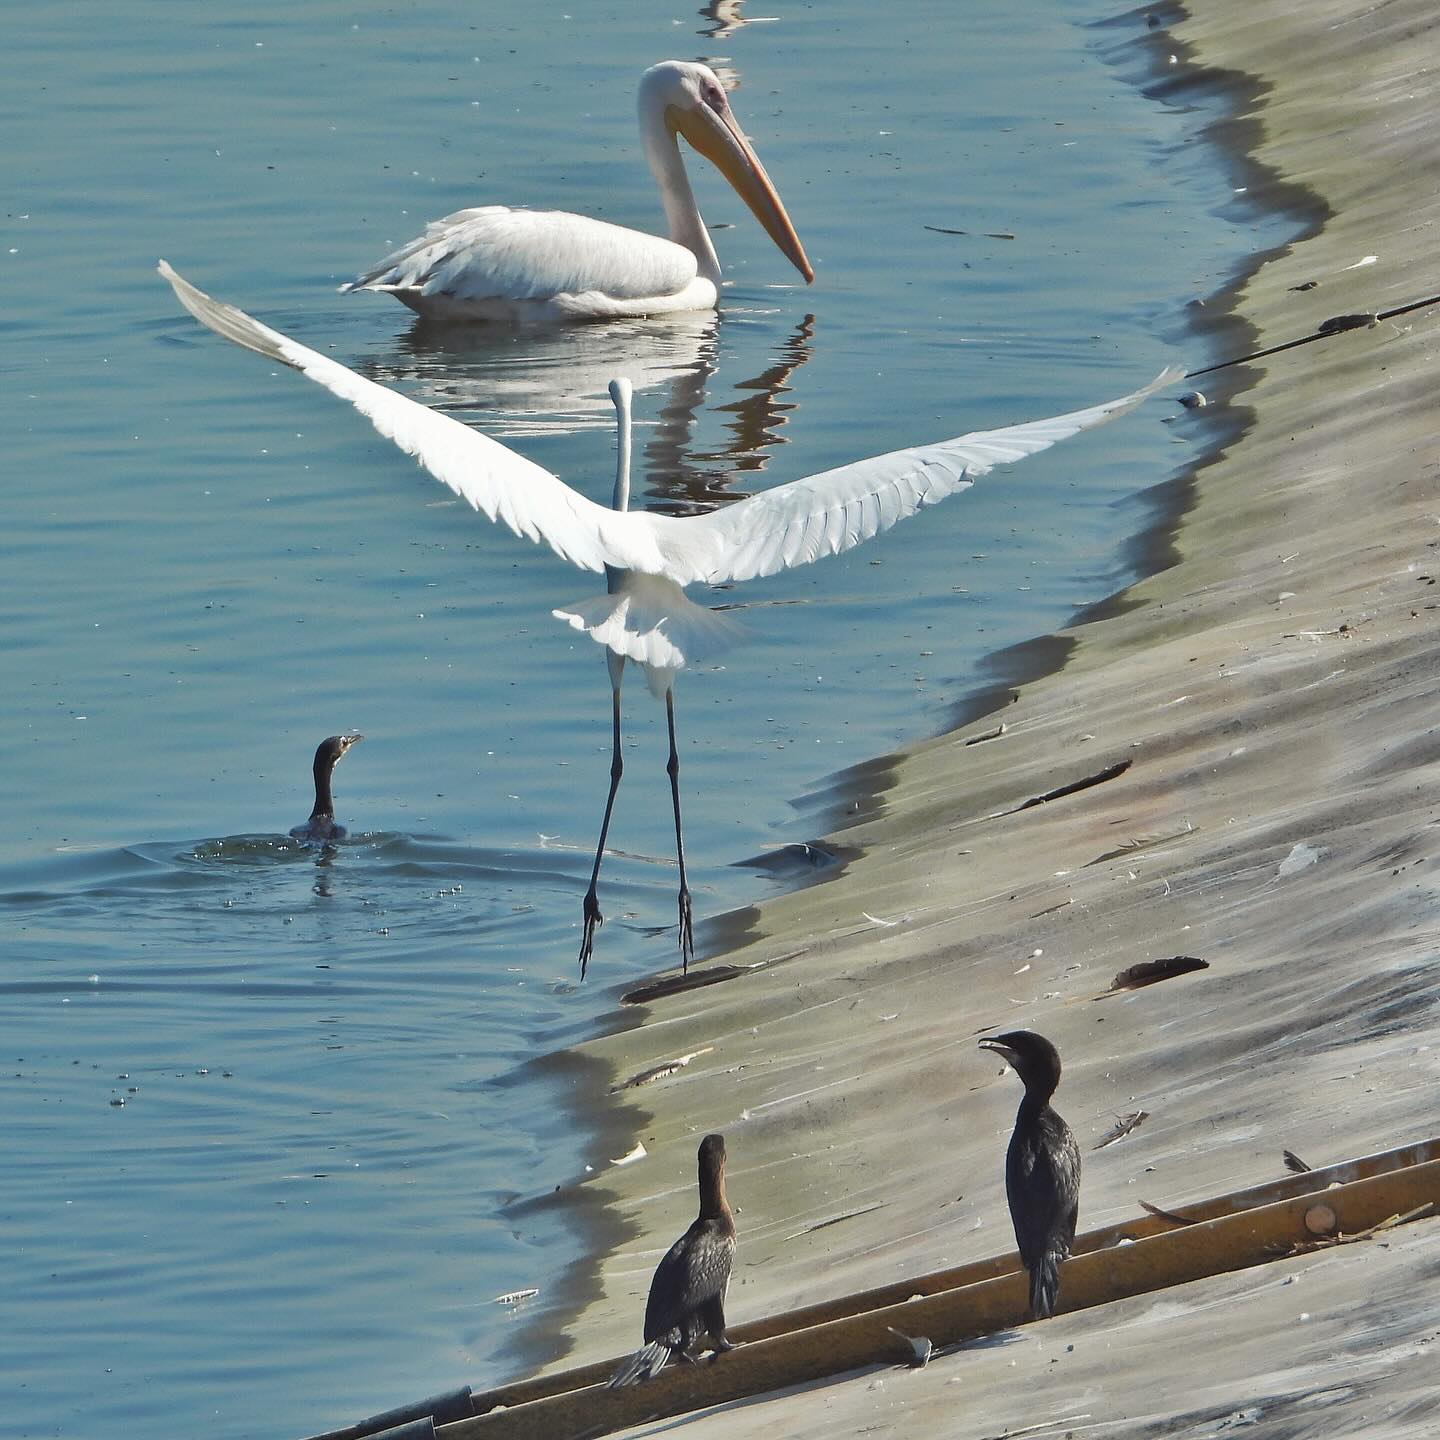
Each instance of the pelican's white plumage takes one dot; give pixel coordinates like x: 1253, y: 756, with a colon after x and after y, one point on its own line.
x: 498, y: 262
x: 501, y: 253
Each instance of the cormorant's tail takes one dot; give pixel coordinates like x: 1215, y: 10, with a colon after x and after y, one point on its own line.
x: 644, y: 1364
x: 1045, y: 1285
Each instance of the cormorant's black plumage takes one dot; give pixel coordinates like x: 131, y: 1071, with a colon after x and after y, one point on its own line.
x: 321, y: 826
x: 687, y: 1295
x: 1042, y: 1167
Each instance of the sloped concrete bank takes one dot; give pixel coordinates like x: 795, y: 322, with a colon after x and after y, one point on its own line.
x: 1275, y: 692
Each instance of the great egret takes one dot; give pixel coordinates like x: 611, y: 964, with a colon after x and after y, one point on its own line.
x: 648, y: 558
x: 499, y: 263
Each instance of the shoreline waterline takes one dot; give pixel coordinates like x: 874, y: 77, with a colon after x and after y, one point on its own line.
x: 857, y: 795
x: 1273, y: 690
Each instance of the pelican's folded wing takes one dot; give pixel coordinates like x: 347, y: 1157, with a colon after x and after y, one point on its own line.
x: 495, y: 480
x: 837, y: 509
x: 500, y: 252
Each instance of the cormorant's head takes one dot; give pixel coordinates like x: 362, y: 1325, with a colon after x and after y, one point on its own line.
x: 712, y: 1154
x: 1032, y: 1057
x: 330, y: 750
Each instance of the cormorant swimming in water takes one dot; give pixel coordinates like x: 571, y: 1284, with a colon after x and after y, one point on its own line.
x: 687, y: 1295
x: 1042, y: 1167
x: 321, y: 826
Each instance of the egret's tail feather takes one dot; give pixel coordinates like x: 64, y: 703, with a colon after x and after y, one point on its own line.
x: 652, y: 621
x: 644, y: 1364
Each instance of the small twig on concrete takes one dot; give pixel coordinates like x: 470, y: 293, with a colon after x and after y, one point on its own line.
x: 836, y: 1219
x: 994, y: 734
x: 1335, y: 325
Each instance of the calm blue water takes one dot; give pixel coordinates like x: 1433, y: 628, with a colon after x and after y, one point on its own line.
x: 298, y: 1213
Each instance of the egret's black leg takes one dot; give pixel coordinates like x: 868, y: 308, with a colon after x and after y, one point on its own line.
x: 593, y: 916
x: 687, y: 938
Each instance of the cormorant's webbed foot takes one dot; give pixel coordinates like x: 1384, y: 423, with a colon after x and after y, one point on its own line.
x: 593, y: 919
x: 687, y: 934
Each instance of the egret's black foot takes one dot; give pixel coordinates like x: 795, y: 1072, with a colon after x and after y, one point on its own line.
x: 593, y: 920
x: 687, y: 934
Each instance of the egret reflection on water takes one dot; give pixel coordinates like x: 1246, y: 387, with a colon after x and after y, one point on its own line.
x: 496, y: 262
x: 648, y: 557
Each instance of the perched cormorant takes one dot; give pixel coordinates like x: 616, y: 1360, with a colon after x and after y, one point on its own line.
x: 321, y: 826
x: 687, y: 1295
x: 1042, y: 1167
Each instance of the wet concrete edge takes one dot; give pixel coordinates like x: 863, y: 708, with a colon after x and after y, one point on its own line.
x: 1228, y: 103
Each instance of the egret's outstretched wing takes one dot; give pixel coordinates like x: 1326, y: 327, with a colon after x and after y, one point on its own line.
x: 496, y: 252
x: 505, y: 486
x: 837, y: 509
x: 776, y: 530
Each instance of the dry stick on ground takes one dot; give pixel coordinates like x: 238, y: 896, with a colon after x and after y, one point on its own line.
x: 1303, y: 1247
x: 1111, y: 772
x: 1335, y: 325
x: 659, y: 1072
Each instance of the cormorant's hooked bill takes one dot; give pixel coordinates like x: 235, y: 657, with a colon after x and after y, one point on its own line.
x: 1042, y: 1167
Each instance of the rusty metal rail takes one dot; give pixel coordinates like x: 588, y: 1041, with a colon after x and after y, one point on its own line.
x: 1228, y: 1232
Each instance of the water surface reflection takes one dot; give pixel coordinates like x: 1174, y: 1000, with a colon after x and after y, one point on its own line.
x: 525, y: 383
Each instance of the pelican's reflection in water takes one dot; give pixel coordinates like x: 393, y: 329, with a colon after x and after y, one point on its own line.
x: 515, y: 383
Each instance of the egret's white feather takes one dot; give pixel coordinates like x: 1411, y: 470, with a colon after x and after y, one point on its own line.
x: 652, y: 621
x: 495, y: 480
x: 775, y: 530
x: 836, y: 510
x: 645, y: 617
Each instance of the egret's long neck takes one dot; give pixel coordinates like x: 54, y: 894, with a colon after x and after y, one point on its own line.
x: 682, y: 215
x: 620, y: 395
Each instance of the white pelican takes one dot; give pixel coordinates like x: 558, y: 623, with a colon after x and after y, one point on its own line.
x: 499, y: 263
x: 644, y: 614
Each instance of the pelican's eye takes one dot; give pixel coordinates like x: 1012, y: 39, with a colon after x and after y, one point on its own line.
x: 714, y: 97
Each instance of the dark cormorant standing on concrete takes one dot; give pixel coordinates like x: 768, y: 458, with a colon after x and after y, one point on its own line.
x: 321, y: 826
x: 1042, y: 1167
x: 687, y: 1295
